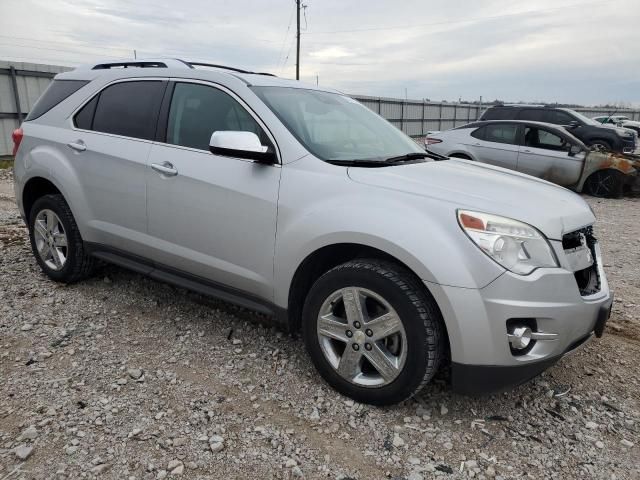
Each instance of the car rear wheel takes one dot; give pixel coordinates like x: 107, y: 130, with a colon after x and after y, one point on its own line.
x: 605, y: 183
x: 56, y: 242
x: 373, y: 332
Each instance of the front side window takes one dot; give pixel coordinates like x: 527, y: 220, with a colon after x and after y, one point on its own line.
x: 558, y: 117
x: 501, y: 133
x: 539, y: 138
x: 199, y: 110
x: 127, y: 108
x: 334, y: 127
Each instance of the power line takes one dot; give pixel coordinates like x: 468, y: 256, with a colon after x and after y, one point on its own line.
x: 432, y: 24
x: 284, y: 40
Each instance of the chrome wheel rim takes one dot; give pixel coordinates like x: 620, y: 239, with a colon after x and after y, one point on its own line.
x: 50, y: 239
x: 362, y: 337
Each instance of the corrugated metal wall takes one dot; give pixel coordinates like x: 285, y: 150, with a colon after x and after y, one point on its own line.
x: 31, y: 79
x: 414, y: 117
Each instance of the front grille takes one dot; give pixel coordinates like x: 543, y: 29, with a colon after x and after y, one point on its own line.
x: 588, y: 279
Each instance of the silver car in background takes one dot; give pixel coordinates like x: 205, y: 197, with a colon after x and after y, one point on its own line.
x: 543, y: 150
x: 301, y: 203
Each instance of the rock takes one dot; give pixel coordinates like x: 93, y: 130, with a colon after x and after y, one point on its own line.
x: 315, y: 415
x: 179, y: 442
x: 415, y: 476
x: 176, y: 467
x: 30, y: 433
x: 191, y: 465
x: 161, y: 474
x: 26, y: 327
x: 290, y: 462
x: 216, y: 446
x: 413, y: 461
x: 297, y: 472
x: 398, y: 441
x: 23, y: 451
x: 98, y: 469
x: 591, y: 425
x: 443, y: 409
x: 135, y: 373
x: 626, y: 443
x: 599, y: 444
x: 71, y: 450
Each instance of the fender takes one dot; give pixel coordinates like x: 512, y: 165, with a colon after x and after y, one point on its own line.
x: 357, y: 213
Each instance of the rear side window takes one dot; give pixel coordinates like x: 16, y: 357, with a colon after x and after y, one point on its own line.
x: 128, y: 108
x: 56, y: 92
x: 532, y: 114
x: 501, y: 133
x: 497, y: 113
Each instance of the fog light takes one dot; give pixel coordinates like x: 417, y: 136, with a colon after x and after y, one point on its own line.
x: 520, y: 338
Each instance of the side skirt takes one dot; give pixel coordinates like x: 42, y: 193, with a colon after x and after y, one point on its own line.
x: 186, y: 280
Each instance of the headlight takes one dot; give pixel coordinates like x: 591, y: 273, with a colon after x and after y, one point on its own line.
x: 516, y: 246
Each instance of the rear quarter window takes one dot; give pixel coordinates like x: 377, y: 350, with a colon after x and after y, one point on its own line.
x: 56, y: 92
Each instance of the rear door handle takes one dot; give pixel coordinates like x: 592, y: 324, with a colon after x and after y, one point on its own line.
x: 526, y: 151
x: 165, y: 168
x: 78, y: 146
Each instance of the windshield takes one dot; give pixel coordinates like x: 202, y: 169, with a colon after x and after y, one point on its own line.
x: 334, y: 127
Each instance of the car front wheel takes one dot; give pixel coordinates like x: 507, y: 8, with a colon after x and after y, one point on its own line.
x: 373, y: 332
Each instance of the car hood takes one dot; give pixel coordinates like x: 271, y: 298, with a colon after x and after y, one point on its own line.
x: 476, y: 186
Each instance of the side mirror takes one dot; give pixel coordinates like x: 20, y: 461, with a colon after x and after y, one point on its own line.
x: 240, y: 145
x: 573, y: 124
x: 574, y: 150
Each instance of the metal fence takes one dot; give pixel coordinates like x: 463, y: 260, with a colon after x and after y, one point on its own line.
x: 417, y: 117
x: 22, y: 83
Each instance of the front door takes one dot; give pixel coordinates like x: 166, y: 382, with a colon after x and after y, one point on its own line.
x: 212, y: 216
x: 546, y: 155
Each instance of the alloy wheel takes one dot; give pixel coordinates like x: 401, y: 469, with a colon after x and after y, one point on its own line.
x: 362, y: 337
x: 50, y: 239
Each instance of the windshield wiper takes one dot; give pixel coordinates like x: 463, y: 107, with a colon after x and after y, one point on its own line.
x: 406, y: 157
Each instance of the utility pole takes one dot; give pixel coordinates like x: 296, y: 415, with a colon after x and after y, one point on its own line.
x: 135, y: 54
x: 298, y: 41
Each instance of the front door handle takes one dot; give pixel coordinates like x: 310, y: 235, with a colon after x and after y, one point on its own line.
x: 526, y: 151
x: 78, y: 146
x: 165, y: 168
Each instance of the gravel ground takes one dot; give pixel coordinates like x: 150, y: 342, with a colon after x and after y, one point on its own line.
x: 123, y: 377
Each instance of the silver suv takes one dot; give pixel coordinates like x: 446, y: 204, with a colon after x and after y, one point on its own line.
x: 301, y: 203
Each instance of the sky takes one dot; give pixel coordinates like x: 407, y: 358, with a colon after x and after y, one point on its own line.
x: 566, y: 51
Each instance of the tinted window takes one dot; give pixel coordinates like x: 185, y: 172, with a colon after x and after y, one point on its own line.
x: 57, y: 91
x: 479, y: 133
x: 198, y: 110
x: 84, y: 118
x: 531, y: 114
x: 129, y: 109
x: 538, y: 138
x: 501, y: 133
x: 497, y: 113
x: 558, y: 117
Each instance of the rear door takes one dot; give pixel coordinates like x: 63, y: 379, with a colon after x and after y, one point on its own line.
x: 545, y: 154
x: 496, y: 144
x: 109, y: 147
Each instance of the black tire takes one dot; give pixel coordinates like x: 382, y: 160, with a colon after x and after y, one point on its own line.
x: 605, y: 184
x: 600, y: 145
x: 419, y: 314
x: 78, y: 264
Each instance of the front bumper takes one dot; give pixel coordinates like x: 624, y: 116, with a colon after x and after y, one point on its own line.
x: 476, y: 321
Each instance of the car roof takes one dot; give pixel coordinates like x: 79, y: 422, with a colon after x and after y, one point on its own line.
x: 481, y: 123
x: 176, y: 68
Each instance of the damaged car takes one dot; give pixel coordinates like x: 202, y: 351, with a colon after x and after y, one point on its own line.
x: 542, y: 150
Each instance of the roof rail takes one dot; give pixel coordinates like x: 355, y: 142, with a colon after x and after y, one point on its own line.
x: 160, y: 63
x: 522, y: 105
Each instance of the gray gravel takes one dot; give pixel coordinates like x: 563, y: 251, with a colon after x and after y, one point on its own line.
x: 123, y: 377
